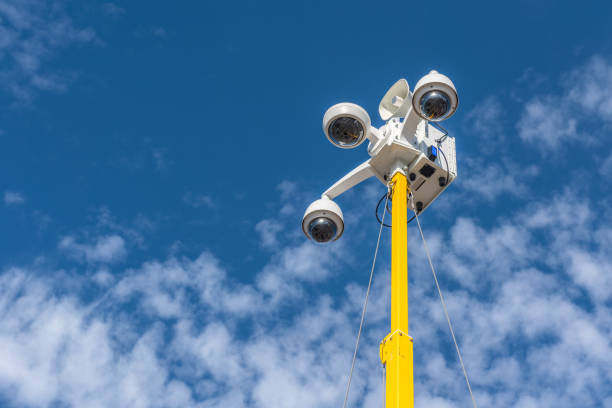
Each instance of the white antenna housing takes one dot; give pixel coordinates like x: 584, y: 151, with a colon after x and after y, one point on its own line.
x: 396, y: 101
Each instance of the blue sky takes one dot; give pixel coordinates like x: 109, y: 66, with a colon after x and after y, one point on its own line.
x: 157, y: 158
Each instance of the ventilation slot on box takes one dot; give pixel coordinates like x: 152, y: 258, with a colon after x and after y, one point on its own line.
x: 419, y: 183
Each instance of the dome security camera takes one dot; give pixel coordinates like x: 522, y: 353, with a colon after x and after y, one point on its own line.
x: 323, y: 221
x: 346, y: 125
x: 435, y: 97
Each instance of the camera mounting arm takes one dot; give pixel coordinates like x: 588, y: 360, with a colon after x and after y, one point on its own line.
x: 360, y: 173
x: 410, y: 124
x: 366, y: 170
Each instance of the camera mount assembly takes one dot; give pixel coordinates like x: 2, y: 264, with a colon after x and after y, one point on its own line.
x: 415, y: 158
x: 407, y: 143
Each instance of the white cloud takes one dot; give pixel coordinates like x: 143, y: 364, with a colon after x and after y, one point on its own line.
x: 287, y: 189
x: 113, y: 9
x: 606, y: 167
x: 546, y: 123
x: 106, y: 249
x: 160, y: 158
x: 103, y: 277
x: 167, y: 289
x: 591, y: 88
x: 528, y: 296
x: 306, y: 262
x: 268, y: 231
x: 198, y: 200
x: 485, y: 121
x: 592, y: 272
x: 132, y: 231
x: 13, y: 198
x: 490, y: 180
x: 31, y: 33
x: 159, y: 32
x: 289, y: 194
x: 53, y: 349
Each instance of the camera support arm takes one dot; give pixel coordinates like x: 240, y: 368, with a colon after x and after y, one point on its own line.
x: 360, y: 173
x: 378, y: 140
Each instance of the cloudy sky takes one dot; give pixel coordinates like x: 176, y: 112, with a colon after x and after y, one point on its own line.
x: 156, y: 159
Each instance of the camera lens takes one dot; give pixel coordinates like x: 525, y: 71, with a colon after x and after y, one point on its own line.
x: 322, y: 229
x: 346, y: 131
x: 435, y: 105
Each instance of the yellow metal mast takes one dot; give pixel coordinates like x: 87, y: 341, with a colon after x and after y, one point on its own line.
x: 396, y: 347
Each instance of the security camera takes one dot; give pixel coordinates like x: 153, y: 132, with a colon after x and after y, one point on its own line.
x: 323, y: 221
x: 435, y: 97
x: 346, y: 125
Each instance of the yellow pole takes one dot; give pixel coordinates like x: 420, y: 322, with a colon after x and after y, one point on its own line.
x: 396, y: 347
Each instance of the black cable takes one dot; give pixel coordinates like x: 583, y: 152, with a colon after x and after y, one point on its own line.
x: 447, y: 169
x: 441, y: 129
x: 377, y: 209
x: 439, y: 143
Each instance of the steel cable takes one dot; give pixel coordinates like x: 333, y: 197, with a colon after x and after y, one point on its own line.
x: 450, y: 326
x: 365, y: 305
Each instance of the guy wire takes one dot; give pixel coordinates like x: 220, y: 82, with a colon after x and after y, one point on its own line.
x: 450, y: 326
x: 365, y: 304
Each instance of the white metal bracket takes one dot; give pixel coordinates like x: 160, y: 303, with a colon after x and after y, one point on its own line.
x: 360, y: 173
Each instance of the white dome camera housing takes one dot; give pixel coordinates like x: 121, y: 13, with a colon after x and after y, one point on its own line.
x: 346, y: 125
x: 323, y: 221
x: 435, y: 97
